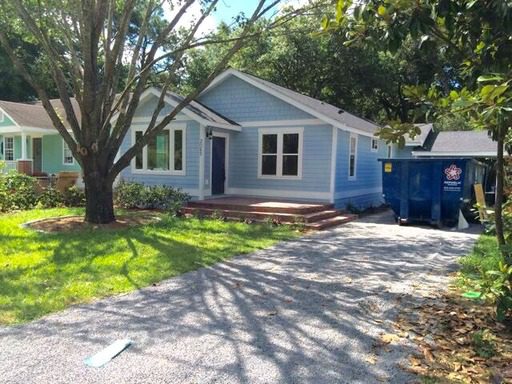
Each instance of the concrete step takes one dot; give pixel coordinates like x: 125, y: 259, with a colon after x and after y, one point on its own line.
x: 331, y: 222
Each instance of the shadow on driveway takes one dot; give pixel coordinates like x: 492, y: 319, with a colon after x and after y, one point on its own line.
x: 305, y: 311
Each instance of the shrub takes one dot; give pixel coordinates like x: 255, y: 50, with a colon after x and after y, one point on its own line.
x: 136, y: 195
x: 484, y: 343
x: 50, y: 198
x: 129, y: 194
x: 17, y: 191
x: 74, y: 197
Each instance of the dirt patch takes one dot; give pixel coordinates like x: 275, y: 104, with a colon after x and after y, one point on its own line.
x: 77, y: 223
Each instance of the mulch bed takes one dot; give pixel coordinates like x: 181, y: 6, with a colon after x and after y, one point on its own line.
x: 77, y: 223
x: 444, y: 330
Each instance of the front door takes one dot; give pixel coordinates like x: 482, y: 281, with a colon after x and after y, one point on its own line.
x: 37, y: 154
x: 218, y: 165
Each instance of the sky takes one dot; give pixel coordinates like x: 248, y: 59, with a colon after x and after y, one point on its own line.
x: 226, y: 11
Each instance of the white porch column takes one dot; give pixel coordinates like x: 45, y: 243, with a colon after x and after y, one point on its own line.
x: 202, y: 137
x: 23, y: 146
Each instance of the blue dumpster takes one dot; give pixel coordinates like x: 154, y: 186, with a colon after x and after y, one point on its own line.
x: 430, y: 190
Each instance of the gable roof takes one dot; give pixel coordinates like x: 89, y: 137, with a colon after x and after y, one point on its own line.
x: 201, y: 110
x: 419, y: 140
x: 194, y: 110
x: 461, y: 143
x: 25, y: 114
x: 33, y: 115
x: 323, y: 111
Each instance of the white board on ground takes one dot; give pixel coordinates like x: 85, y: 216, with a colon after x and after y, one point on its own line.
x: 105, y: 355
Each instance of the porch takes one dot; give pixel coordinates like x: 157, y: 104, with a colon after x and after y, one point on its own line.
x: 314, y: 215
x: 35, y: 152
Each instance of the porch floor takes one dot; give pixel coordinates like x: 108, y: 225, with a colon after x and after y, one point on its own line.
x: 314, y: 215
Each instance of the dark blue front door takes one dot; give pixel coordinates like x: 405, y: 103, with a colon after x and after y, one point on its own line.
x: 218, y: 165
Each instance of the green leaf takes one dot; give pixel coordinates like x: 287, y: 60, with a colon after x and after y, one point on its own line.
x: 487, y: 78
x: 325, y: 22
x: 382, y: 11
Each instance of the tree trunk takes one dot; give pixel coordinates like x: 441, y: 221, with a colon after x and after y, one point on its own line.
x: 498, y: 202
x: 99, y: 208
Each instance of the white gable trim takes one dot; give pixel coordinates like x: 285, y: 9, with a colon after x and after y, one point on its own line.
x: 186, y: 111
x: 231, y: 72
x: 10, y: 118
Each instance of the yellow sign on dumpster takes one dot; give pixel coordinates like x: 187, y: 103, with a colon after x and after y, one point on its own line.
x: 388, y: 167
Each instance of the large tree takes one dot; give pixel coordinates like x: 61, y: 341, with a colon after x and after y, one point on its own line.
x: 103, y: 54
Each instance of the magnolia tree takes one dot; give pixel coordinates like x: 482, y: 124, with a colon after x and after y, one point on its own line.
x: 101, y: 55
x: 477, y: 33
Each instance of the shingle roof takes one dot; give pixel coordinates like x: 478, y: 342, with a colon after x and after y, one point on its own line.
x: 203, y: 111
x: 28, y: 115
x: 328, y: 110
x: 419, y: 140
x: 34, y: 115
x: 461, y: 143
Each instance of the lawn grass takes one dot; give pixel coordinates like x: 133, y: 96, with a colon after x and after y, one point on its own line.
x: 43, y: 273
x: 485, y: 256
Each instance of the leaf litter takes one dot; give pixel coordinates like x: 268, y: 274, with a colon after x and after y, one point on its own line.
x: 444, y: 329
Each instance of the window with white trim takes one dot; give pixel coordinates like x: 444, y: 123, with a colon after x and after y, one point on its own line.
x: 375, y: 145
x: 164, y: 153
x: 68, y: 158
x: 9, y: 148
x: 352, y: 157
x: 280, y: 153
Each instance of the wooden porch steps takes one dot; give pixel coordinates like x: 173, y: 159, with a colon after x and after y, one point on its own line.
x: 313, y: 216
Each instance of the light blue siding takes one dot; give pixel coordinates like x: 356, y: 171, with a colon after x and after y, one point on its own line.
x: 315, y: 164
x: 366, y: 189
x: 240, y: 101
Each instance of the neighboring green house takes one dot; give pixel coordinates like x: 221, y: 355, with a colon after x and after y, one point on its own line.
x: 28, y: 139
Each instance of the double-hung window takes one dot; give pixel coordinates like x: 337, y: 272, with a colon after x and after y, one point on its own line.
x: 280, y: 153
x: 352, y: 157
x: 9, y: 148
x: 375, y: 145
x: 164, y: 153
x: 67, y: 158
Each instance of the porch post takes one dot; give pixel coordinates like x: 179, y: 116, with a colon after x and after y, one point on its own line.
x: 23, y: 146
x: 202, y: 137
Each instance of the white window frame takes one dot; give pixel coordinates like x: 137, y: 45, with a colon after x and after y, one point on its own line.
x: 65, y: 148
x: 279, y: 162
x: 13, y: 148
x: 145, y: 171
x: 376, y: 147
x: 356, y: 138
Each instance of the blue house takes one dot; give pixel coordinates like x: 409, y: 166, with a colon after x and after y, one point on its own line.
x: 245, y: 136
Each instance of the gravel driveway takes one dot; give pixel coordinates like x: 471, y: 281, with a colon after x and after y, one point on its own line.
x: 305, y: 311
